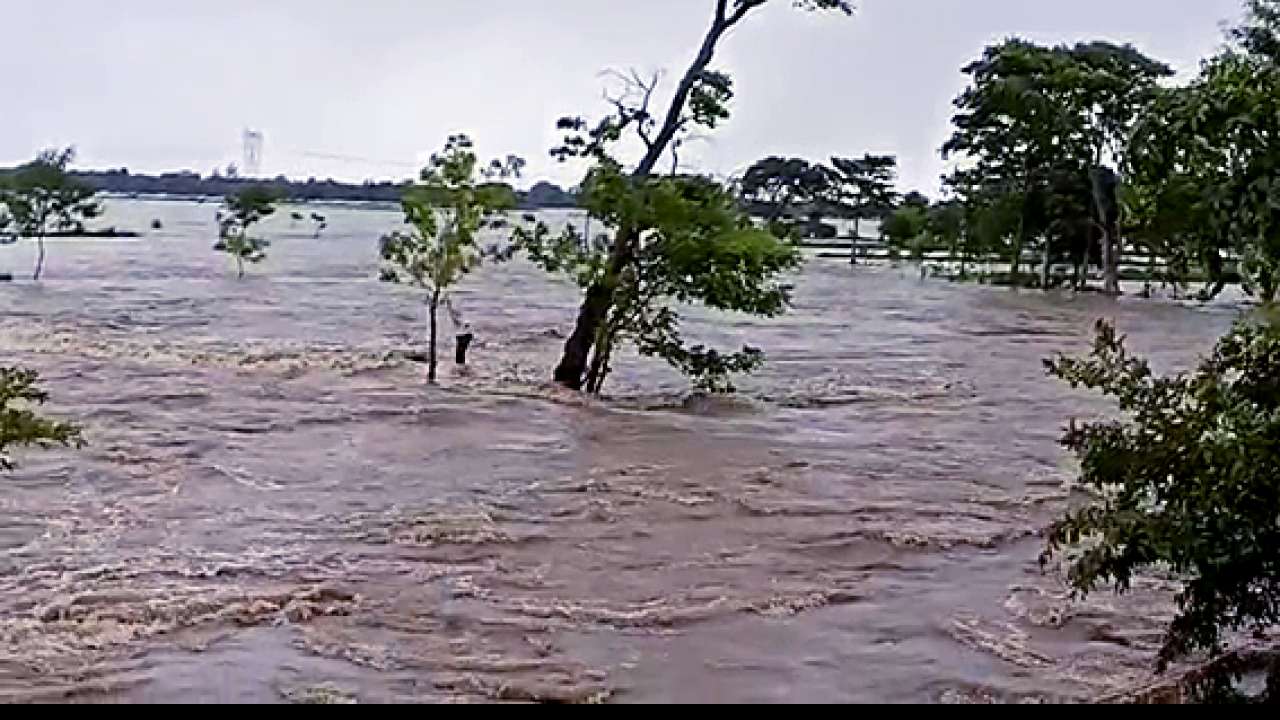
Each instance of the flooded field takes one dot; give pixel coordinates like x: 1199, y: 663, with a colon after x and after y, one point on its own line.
x: 273, y: 507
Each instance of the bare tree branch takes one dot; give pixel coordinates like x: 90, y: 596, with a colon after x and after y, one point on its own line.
x: 633, y: 100
x: 744, y: 7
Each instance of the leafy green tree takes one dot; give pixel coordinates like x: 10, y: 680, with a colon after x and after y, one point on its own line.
x: 697, y: 248
x: 19, y: 424
x: 42, y: 198
x: 777, y: 188
x: 945, y: 226
x: 1164, y: 201
x: 991, y: 224
x: 901, y: 229
x: 1185, y: 479
x: 865, y: 187
x: 1208, y: 156
x: 445, y: 213
x: 1009, y: 129
x: 699, y: 101
x: 240, y: 213
x: 1259, y: 34
x: 1107, y: 87
x: 1033, y: 114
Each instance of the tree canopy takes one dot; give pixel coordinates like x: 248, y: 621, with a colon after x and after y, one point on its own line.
x: 241, y: 212
x: 19, y: 424
x: 446, y: 212
x: 41, y: 198
x: 1036, y: 122
x: 1185, y: 478
x: 700, y: 102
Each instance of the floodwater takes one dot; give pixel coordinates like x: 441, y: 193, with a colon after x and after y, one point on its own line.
x: 273, y: 507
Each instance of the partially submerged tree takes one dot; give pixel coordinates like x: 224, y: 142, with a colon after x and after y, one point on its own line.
x: 778, y: 189
x: 321, y: 223
x: 865, y: 189
x: 697, y: 246
x: 1187, y: 480
x: 42, y: 198
x: 1033, y: 114
x: 1206, y: 159
x: 945, y: 227
x: 240, y: 213
x: 904, y: 226
x: 20, y: 426
x: 698, y: 101
x: 445, y: 213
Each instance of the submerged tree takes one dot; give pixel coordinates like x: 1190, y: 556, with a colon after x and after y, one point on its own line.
x: 778, y: 188
x: 699, y: 101
x: 1186, y: 479
x: 904, y: 226
x: 240, y: 213
x: 321, y: 223
x: 697, y: 247
x: 1206, y: 159
x: 865, y: 188
x: 20, y: 426
x: 445, y: 213
x: 42, y: 198
x: 1033, y: 115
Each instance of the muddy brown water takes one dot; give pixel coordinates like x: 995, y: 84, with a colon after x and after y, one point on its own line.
x: 272, y: 506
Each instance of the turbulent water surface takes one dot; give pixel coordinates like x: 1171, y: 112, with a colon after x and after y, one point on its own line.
x: 273, y: 507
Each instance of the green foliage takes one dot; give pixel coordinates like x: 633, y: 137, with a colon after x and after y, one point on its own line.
x: 778, y: 188
x: 1259, y: 35
x: 710, y: 98
x: 906, y: 224
x: 40, y: 198
x: 1039, y: 123
x: 20, y: 426
x: 945, y: 227
x: 865, y: 185
x: 445, y: 213
x: 1206, y: 161
x: 701, y: 100
x: 1186, y: 480
x: 696, y: 247
x: 239, y: 213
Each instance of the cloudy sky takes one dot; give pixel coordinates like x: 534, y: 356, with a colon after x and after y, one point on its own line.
x: 366, y: 89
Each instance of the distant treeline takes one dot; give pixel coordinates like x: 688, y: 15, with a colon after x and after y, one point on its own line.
x: 191, y: 184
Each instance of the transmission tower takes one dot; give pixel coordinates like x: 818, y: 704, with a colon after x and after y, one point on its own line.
x: 253, y: 144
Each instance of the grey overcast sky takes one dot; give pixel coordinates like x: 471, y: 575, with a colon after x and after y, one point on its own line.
x: 359, y: 89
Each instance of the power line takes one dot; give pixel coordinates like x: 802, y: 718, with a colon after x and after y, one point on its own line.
x: 349, y: 158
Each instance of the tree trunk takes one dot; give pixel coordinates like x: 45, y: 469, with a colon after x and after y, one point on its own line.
x: 1216, y: 272
x: 1045, y: 265
x: 595, y: 307
x: 600, y: 363
x: 1015, y: 266
x: 1110, y: 279
x: 853, y: 247
x: 431, y: 343
x: 239, y: 268
x: 599, y: 297
x: 39, y: 258
x: 1110, y: 234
